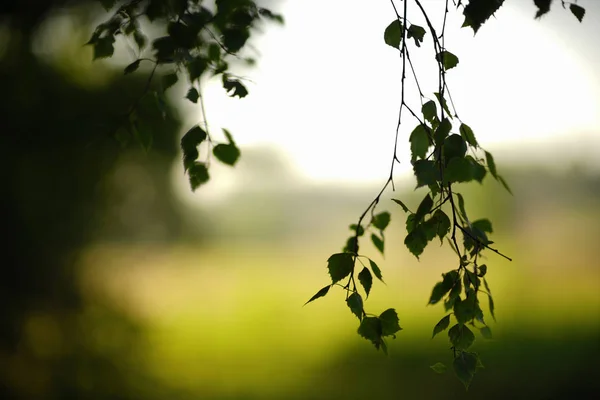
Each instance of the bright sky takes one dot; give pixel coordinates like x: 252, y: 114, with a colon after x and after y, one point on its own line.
x: 326, y: 89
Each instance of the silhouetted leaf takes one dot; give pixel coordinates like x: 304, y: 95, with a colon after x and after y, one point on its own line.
x: 417, y: 32
x: 465, y: 310
x: 439, y: 290
x: 439, y: 368
x: 198, y: 174
x: 389, y: 322
x: 416, y: 241
x: 108, y: 4
x: 234, y: 87
x: 358, y: 229
x: 340, y: 265
x: 393, y: 34
x: 189, y: 144
x: 419, y: 142
x: 227, y: 153
x: 370, y: 328
x: 140, y: 39
x: 441, y: 326
x: 447, y: 59
x: 461, y: 337
x: 376, y: 270
x: 477, y: 169
x: 482, y: 270
x: 465, y: 366
x: 401, y: 204
x: 578, y: 11
x: 355, y: 303
x: 366, y: 280
x: 443, y: 223
x: 483, y: 224
x: 503, y: 182
x: 132, y: 67
x: 454, y: 146
x: 543, y: 7
x: 320, y: 293
x: 192, y: 95
x: 478, y: 11
x: 104, y: 47
x: 169, y: 80
x: 378, y: 242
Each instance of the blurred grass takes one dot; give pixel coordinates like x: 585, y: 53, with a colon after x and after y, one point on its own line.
x: 226, y: 321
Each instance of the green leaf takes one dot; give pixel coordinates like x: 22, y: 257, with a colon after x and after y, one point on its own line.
x: 458, y: 170
x: 465, y: 366
x: 424, y: 208
x: 417, y: 32
x: 439, y: 290
x: 443, y: 223
x: 482, y: 270
x: 389, y: 322
x: 461, y: 206
x: 381, y: 220
x: 132, y: 67
x: 465, y: 310
x: 410, y: 223
x: 376, y: 270
x: 416, y: 241
x: 486, y: 332
x: 454, y: 146
x: 370, y: 328
x: 320, y: 293
x: 393, y: 34
x: 351, y: 245
x: 461, y: 337
x: 467, y: 134
x: 340, y: 265
x: 425, y: 172
x: 227, y: 153
x: 442, y: 131
x: 477, y: 169
x: 419, y: 142
x: 441, y: 326
x: 503, y: 182
x: 577, y: 11
x: 164, y: 49
x: 491, y: 302
x: 442, y: 102
x: 143, y: 134
x: 489, y: 159
x: 192, y: 95
x: 355, y: 303
x: 169, y: 80
x: 104, y: 47
x: 358, y: 229
x: 447, y: 59
x: 429, y: 111
x: 439, y: 368
x: 401, y: 204
x: 483, y: 225
x: 198, y: 174
x: 366, y: 280
x: 378, y: 242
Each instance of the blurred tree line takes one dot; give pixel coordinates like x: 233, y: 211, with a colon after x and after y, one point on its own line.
x: 63, y: 186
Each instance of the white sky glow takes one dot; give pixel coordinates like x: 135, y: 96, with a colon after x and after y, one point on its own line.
x: 326, y: 90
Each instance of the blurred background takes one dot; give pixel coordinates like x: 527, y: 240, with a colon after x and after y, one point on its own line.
x: 118, y: 282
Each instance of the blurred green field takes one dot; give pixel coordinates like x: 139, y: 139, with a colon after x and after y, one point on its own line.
x: 226, y: 321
